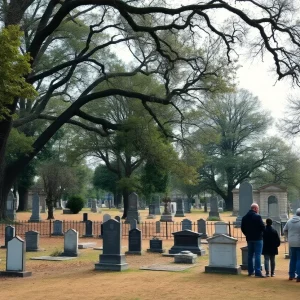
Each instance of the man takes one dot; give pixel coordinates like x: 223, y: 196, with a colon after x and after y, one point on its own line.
x: 253, y: 227
x: 292, y: 232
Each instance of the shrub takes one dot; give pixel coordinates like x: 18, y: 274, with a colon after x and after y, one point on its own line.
x: 75, y: 204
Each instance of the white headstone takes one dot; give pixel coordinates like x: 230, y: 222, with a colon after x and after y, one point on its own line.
x: 15, y: 260
x: 221, y: 228
x: 71, y: 243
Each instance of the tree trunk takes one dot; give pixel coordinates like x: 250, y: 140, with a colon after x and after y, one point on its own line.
x: 23, y: 199
x: 125, y: 202
x: 229, y: 199
x: 50, y: 206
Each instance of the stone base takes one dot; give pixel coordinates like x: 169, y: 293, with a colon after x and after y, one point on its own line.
x: 195, y: 250
x: 166, y: 218
x: 94, y: 210
x: 223, y: 270
x: 70, y: 254
x: 179, y: 215
x: 86, y: 245
x: 33, y: 220
x: 15, y: 273
x: 57, y: 234
x: 111, y: 262
x: 35, y: 250
x: 156, y: 250
x: 133, y: 253
x: 151, y: 217
x: 88, y: 236
x: 213, y: 215
x: 185, y: 257
x: 67, y: 211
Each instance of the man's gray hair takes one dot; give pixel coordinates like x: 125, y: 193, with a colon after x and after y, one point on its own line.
x: 298, y: 212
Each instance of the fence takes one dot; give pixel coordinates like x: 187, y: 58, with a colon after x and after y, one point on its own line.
x: 162, y: 230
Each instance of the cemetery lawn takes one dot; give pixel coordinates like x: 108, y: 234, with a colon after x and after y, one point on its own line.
x: 76, y: 279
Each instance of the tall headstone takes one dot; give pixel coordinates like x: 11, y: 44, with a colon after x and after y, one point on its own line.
x: 166, y: 215
x: 57, y: 228
x: 156, y: 201
x: 222, y: 255
x: 112, y: 259
x: 32, y: 239
x: 133, y: 224
x: 202, y: 228
x: 85, y: 217
x: 88, y: 229
x: 133, y: 208
x: 15, y: 259
x: 245, y: 201
x: 273, y: 209
x: 187, y: 206
x: 134, y: 242
x: 214, y: 211
x: 71, y: 243
x: 186, y: 224
x: 94, y: 207
x: 11, y: 207
x: 35, y: 216
x: 179, y: 208
x: 151, y: 214
x: 10, y: 233
x: 106, y: 217
x: 221, y: 228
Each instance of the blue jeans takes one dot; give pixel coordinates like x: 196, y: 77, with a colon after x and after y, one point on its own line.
x: 294, y: 262
x: 254, y: 249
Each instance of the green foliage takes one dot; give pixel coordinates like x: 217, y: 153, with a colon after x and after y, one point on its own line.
x: 105, y: 179
x: 75, y: 204
x: 14, y: 66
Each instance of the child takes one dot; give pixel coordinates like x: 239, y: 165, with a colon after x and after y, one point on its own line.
x: 271, y: 243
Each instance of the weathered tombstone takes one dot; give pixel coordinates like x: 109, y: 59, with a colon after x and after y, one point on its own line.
x: 35, y: 216
x: 156, y: 201
x: 273, y: 208
x: 134, y: 242
x: 151, y: 212
x: 85, y: 217
x: 186, y: 224
x: 57, y: 228
x: 133, y: 209
x: 214, y: 212
x: 112, y: 259
x: 173, y: 208
x: 94, y: 207
x: 245, y: 201
x: 202, y: 228
x: 187, y: 240
x: 157, y: 227
x: 222, y: 255
x: 106, y: 217
x: 11, y: 207
x: 166, y: 215
x: 187, y: 206
x: 221, y: 228
x: 71, y: 243
x: 244, y: 265
x: 179, y: 210
x: 156, y: 246
x: 88, y: 229
x: 15, y: 259
x: 185, y: 257
x: 32, y: 239
x: 133, y: 224
x: 10, y: 233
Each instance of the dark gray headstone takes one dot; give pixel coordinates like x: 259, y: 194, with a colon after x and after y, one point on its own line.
x: 187, y: 206
x: 134, y: 242
x: 35, y: 216
x: 133, y: 209
x: 88, y: 229
x: 156, y: 201
x: 133, y: 224
x: 57, y: 228
x: 186, y: 224
x: 85, y: 217
x: 9, y: 234
x: 94, y: 207
x: 32, y: 239
x: 179, y: 208
x: 202, y: 228
x: 151, y: 209
x: 156, y: 246
x: 214, y: 211
x: 245, y: 200
x: 11, y: 207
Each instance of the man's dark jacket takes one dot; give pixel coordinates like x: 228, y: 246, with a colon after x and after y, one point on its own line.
x: 252, y: 226
x: 271, y: 241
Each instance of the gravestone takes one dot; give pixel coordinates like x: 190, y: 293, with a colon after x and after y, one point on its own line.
x: 151, y: 214
x: 202, y: 228
x: 221, y: 228
x: 187, y: 206
x: 214, y: 212
x: 57, y: 228
x: 133, y: 224
x: 32, y: 239
x: 156, y: 201
x: 134, y: 242
x: 179, y: 210
x: 157, y: 227
x: 10, y: 233
x: 85, y: 217
x: 186, y: 224
x: 222, y: 255
x: 106, y: 217
x: 273, y: 208
x: 156, y: 246
x: 245, y: 201
x: 15, y: 259
x: 35, y: 216
x: 11, y: 207
x: 133, y: 209
x: 94, y: 207
x: 173, y: 208
x: 70, y: 243
x: 244, y: 265
x: 185, y: 257
x: 88, y: 229
x: 111, y: 259
x: 187, y: 240
x: 166, y: 215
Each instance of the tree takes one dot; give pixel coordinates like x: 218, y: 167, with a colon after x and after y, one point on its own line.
x: 237, y: 123
x: 143, y: 28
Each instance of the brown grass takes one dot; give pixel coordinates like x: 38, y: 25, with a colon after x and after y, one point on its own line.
x: 76, y: 279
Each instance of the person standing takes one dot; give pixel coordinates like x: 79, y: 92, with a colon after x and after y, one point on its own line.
x: 253, y: 227
x: 292, y: 232
x: 271, y: 242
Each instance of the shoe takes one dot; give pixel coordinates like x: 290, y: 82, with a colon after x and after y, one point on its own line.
x: 251, y: 274
x: 267, y: 275
x: 291, y: 278
x: 260, y: 276
x: 273, y: 275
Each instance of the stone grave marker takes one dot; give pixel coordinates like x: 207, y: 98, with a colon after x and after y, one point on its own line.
x: 179, y: 208
x: 201, y: 223
x: 94, y: 207
x: 133, y: 224
x: 88, y: 229
x: 214, y: 211
x: 57, y: 228
x: 32, y: 239
x: 187, y: 206
x: 111, y: 259
x: 186, y: 224
x: 133, y: 209
x: 134, y: 242
x: 10, y: 233
x: 85, y: 217
x: 71, y: 243
x: 35, y: 216
x: 222, y: 255
x: 156, y: 246
x: 11, y: 207
x: 185, y: 257
x: 156, y: 201
x: 15, y: 259
x: 221, y: 228
x: 151, y: 214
